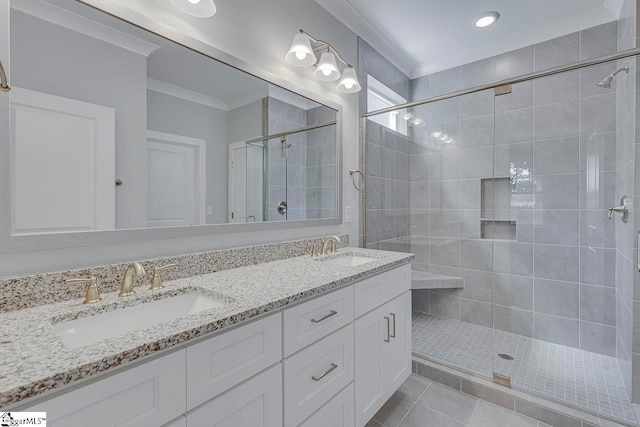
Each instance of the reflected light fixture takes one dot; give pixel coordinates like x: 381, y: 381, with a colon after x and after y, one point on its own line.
x: 486, y: 19
x: 197, y: 8
x: 302, y: 54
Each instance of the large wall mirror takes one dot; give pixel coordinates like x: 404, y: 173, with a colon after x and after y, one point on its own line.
x: 114, y: 127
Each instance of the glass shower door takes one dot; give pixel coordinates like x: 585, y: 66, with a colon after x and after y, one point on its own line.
x: 561, y: 319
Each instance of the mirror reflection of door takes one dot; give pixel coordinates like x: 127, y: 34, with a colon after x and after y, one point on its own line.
x: 175, y: 170
x: 63, y: 154
x: 237, y: 182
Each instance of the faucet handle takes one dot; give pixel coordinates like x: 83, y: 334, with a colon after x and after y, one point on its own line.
x: 314, y: 249
x: 92, y: 290
x: 156, y: 280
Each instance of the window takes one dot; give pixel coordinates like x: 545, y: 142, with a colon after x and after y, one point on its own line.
x: 380, y: 96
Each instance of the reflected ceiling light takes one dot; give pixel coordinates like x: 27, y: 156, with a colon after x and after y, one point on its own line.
x: 301, y: 54
x: 486, y: 19
x: 416, y: 122
x: 197, y: 8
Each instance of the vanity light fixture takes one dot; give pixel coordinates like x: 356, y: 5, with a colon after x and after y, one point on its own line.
x: 301, y: 54
x: 486, y: 19
x: 197, y: 8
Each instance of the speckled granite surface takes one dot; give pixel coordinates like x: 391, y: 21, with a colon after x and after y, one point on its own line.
x: 18, y: 293
x: 35, y: 360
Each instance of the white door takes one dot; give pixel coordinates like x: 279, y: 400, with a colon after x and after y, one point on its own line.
x: 399, y: 350
x: 237, y: 182
x: 175, y: 174
x: 72, y: 144
x: 370, y: 348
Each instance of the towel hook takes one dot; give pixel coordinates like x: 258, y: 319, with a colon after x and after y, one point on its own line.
x: 353, y: 173
x: 4, y: 84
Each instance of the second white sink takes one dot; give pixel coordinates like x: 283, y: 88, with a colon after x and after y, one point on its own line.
x: 99, y: 327
x: 348, y: 259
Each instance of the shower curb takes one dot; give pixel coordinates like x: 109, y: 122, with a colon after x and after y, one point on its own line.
x: 545, y: 411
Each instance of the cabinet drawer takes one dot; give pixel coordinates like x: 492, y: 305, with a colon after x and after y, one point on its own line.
x: 151, y: 395
x: 217, y: 364
x: 338, y: 412
x: 375, y: 291
x: 308, y: 322
x: 314, y: 375
x: 257, y: 402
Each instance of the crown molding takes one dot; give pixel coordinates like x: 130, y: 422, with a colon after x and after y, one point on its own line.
x: 71, y: 21
x: 187, y: 95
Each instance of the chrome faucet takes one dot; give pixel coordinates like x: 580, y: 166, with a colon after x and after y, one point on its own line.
x: 126, y: 288
x: 333, y: 240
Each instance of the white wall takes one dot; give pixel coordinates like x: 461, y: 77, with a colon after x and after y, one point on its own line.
x: 258, y: 33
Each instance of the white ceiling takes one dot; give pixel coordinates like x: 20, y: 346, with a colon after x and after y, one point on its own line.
x: 425, y: 36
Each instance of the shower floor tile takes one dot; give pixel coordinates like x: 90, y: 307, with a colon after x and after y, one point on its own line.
x: 578, y: 378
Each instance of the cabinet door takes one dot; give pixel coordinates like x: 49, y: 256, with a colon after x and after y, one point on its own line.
x: 255, y: 403
x: 370, y: 336
x: 151, y: 394
x: 398, y: 364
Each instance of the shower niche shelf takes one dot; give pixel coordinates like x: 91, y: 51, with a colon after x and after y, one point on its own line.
x: 496, y: 217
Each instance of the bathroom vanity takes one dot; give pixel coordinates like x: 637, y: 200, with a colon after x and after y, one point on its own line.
x: 303, y: 341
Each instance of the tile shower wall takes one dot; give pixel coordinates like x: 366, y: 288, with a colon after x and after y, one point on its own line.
x: 321, y: 166
x: 387, y: 202
x: 370, y: 62
x: 625, y: 164
x: 287, y: 174
x: 555, y: 140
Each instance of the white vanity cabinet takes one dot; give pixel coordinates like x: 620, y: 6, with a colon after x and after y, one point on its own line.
x: 329, y: 361
x: 382, y: 341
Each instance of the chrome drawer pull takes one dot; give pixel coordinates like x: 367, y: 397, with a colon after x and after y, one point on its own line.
x: 333, y: 366
x: 332, y: 313
x: 393, y: 334
x: 388, y: 338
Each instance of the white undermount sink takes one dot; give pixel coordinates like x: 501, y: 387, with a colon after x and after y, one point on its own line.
x: 99, y: 327
x: 348, y: 259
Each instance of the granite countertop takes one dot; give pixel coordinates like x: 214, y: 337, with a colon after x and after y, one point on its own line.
x: 34, y: 359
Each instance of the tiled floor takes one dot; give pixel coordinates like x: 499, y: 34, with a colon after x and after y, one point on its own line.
x: 422, y: 403
x: 575, y: 377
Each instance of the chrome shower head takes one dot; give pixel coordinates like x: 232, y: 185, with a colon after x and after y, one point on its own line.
x: 606, y: 82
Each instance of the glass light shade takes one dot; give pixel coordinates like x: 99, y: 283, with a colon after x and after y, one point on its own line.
x: 199, y: 9
x: 327, y: 70
x: 349, y: 82
x: 300, y: 54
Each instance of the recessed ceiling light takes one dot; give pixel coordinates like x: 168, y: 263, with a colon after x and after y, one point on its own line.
x: 198, y: 8
x: 486, y: 19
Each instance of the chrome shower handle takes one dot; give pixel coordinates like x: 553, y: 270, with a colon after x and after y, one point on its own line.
x: 622, y: 209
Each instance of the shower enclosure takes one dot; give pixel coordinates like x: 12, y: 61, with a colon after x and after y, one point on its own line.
x: 521, y: 274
